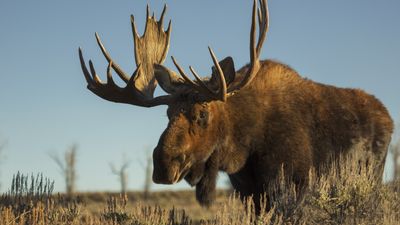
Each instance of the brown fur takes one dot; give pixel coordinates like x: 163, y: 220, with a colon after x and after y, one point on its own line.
x: 280, y: 119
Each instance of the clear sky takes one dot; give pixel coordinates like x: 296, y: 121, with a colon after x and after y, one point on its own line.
x: 45, y: 106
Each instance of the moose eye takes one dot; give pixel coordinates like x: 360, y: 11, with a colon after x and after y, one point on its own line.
x: 181, y: 158
x: 203, y: 119
x: 203, y: 115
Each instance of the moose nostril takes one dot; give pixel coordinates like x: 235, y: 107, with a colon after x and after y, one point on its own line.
x: 181, y: 158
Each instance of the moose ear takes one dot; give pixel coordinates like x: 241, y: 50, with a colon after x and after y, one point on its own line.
x: 228, y: 68
x: 169, y: 81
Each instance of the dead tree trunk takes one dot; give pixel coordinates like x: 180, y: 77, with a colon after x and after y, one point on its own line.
x: 68, y: 168
x: 147, y: 166
x: 396, y: 160
x: 148, y: 180
x: 395, y: 148
x: 122, y: 175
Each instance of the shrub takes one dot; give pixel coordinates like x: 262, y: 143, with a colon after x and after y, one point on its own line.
x: 345, y: 192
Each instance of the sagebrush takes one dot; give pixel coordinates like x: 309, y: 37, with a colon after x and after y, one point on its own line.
x: 345, y: 192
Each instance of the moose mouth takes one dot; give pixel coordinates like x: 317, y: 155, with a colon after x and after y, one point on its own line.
x: 180, y: 174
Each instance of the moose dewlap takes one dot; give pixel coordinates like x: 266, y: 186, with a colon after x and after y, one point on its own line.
x: 248, y: 123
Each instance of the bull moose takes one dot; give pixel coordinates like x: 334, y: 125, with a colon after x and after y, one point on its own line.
x: 247, y: 123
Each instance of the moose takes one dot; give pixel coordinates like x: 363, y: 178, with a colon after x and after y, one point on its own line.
x: 248, y: 123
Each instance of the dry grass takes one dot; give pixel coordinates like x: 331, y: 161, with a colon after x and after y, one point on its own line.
x: 347, y: 193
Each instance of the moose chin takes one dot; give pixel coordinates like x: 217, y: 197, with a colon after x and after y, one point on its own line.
x: 248, y: 123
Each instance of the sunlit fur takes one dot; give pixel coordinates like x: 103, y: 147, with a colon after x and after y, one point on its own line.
x: 279, y: 119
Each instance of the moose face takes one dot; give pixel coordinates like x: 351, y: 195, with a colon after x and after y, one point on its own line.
x: 187, y: 142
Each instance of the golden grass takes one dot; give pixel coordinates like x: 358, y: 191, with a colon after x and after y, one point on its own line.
x: 347, y: 193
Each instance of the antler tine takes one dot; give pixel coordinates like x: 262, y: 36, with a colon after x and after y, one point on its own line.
x: 147, y: 17
x: 263, y: 23
x: 169, y: 28
x: 185, y: 77
x: 84, y: 68
x: 91, y: 77
x: 222, y: 83
x: 253, y: 53
x: 115, y: 66
x: 168, y: 33
x: 94, y: 74
x: 162, y: 15
x: 259, y: 16
x: 182, y: 73
x: 135, y: 35
x: 134, y: 29
x: 147, y: 11
x: 201, y: 83
x: 255, y: 49
x: 109, y: 75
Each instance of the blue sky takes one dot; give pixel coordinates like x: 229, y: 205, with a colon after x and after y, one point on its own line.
x: 45, y: 106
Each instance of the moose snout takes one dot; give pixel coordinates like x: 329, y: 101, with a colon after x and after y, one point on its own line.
x: 165, y: 175
x: 165, y: 171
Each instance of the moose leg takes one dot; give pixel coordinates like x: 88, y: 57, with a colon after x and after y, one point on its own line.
x: 245, y: 184
x: 380, y: 145
x: 206, y: 187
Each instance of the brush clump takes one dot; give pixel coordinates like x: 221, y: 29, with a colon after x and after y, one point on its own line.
x: 344, y: 192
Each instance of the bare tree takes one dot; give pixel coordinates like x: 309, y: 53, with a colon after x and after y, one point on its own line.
x: 396, y: 160
x: 122, y: 174
x: 148, y: 167
x: 395, y: 149
x: 68, y: 168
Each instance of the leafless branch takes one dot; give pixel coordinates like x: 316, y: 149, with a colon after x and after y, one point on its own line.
x: 122, y: 174
x: 67, y: 167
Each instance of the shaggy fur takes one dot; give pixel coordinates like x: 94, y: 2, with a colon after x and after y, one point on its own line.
x: 280, y: 119
x: 206, y: 187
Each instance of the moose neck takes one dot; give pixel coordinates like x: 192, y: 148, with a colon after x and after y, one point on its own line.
x: 239, y: 126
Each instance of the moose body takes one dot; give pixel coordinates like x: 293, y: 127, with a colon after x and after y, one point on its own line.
x: 295, y: 122
x: 280, y: 120
x: 247, y: 123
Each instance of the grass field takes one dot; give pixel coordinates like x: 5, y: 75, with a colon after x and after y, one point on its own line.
x: 346, y: 194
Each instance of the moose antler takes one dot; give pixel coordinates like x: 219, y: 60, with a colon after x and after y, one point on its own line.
x: 150, y: 49
x: 255, y: 50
